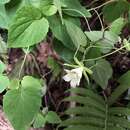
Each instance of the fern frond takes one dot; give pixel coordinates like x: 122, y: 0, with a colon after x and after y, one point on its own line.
x: 81, y: 127
x: 88, y: 93
x: 85, y: 111
x: 87, y: 101
x: 119, y: 111
x: 94, y: 113
x: 83, y: 121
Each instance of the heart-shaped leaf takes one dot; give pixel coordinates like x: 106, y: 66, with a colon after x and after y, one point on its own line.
x: 22, y: 104
x: 28, y: 28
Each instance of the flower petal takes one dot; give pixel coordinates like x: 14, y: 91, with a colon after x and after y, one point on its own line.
x: 67, y: 71
x: 73, y: 83
x: 67, y: 78
x: 78, y: 71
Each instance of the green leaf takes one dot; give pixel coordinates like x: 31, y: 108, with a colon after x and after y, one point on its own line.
x: 60, y: 32
x: 14, y: 84
x: 117, y: 26
x: 91, y: 115
x: 76, y: 9
x: 4, y: 1
x: 3, y: 46
x: 31, y: 81
x: 76, y: 34
x: 2, y: 67
x: 124, y: 81
x: 94, y: 35
x: 117, y: 8
x: 105, y: 40
x: 35, y: 3
x: 4, y: 83
x: 3, y: 17
x: 107, y: 43
x: 57, y: 3
x: 21, y: 105
x: 48, y: 8
x: 102, y: 72
x: 52, y: 118
x: 28, y: 28
x: 126, y: 44
x: 39, y: 121
x: 64, y: 53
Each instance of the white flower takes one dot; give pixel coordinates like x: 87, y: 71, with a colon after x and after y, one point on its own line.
x: 73, y: 76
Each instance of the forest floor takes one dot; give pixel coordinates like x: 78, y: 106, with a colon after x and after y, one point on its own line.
x: 36, y: 63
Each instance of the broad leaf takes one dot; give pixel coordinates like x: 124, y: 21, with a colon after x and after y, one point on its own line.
x: 64, y: 53
x: 14, y: 84
x: 94, y: 36
x: 35, y: 3
x: 52, y: 118
x: 76, y: 34
x: 39, y: 121
x: 28, y: 28
x: 3, y: 17
x: 125, y: 79
x: 117, y: 26
x: 102, y: 72
x: 21, y: 105
x: 4, y: 83
x: 11, y: 9
x: 3, y: 46
x: 75, y: 8
x: 58, y: 5
x: 4, y: 1
x: 117, y: 8
x: 2, y: 67
x: 60, y: 32
x: 105, y: 40
x: 48, y: 8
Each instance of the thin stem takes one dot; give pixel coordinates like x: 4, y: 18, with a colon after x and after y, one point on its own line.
x: 86, y: 23
x: 102, y: 5
x: 73, y: 66
x: 82, y: 15
x: 99, y: 19
x: 98, y: 58
x: 105, y: 127
x: 106, y: 113
x: 24, y: 60
x: 76, y: 51
x: 87, y: 49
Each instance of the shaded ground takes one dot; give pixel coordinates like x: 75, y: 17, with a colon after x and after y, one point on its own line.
x: 36, y: 64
